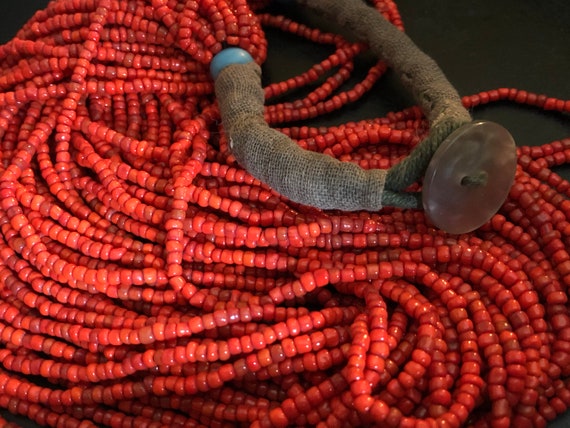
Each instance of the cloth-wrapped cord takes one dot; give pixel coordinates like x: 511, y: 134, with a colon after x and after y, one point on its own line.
x: 322, y: 181
x: 412, y: 168
x: 419, y: 73
x: 303, y: 176
x: 407, y: 200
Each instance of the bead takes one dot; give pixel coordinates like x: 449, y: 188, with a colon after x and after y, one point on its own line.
x: 469, y: 177
x: 228, y: 57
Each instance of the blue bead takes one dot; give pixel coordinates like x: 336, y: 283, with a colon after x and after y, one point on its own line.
x: 227, y: 57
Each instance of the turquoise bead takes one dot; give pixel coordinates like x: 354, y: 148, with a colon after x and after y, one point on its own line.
x: 227, y: 57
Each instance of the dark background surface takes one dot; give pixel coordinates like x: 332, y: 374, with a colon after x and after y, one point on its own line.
x: 480, y: 45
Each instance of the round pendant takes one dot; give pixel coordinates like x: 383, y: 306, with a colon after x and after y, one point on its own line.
x: 469, y: 177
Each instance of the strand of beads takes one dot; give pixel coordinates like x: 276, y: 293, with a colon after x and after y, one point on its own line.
x: 147, y: 280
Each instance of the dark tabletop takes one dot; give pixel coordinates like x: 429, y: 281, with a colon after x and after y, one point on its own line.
x: 480, y: 45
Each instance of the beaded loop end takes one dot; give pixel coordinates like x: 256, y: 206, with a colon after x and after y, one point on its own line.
x: 469, y: 177
x: 227, y: 57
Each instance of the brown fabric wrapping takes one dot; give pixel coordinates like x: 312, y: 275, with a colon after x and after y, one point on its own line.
x: 319, y: 180
x: 306, y: 177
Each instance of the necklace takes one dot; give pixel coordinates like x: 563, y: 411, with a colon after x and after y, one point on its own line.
x: 147, y: 279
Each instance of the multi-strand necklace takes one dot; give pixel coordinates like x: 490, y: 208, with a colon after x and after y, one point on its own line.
x: 147, y: 279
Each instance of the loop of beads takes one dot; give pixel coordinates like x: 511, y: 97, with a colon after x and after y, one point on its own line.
x: 146, y: 280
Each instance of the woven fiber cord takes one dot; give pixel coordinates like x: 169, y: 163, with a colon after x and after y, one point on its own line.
x: 304, y: 176
x: 149, y: 280
x: 418, y: 73
x: 321, y: 181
